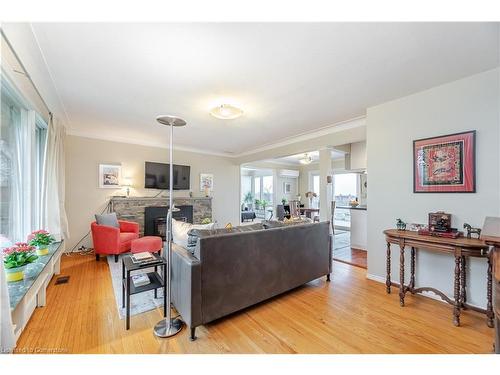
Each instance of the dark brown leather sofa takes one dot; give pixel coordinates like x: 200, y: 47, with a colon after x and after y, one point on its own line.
x: 231, y: 271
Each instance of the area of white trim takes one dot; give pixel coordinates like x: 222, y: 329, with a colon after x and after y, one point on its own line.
x: 163, y: 145
x: 431, y: 295
x: 335, y: 128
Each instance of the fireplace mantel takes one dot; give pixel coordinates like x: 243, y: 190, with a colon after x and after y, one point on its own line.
x: 132, y: 208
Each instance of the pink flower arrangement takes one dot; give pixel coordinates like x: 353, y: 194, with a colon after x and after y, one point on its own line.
x: 40, y: 231
x: 40, y: 238
x: 20, y: 247
x: 18, y: 255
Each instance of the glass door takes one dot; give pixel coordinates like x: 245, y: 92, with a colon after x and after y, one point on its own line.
x: 344, y: 191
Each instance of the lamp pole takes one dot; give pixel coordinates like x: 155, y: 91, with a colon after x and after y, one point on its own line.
x: 169, y: 327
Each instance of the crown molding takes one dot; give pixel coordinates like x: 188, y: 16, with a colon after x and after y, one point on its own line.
x: 334, y: 128
x: 91, y: 135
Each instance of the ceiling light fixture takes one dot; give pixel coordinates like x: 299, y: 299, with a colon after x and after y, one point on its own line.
x: 306, y: 159
x: 226, y: 112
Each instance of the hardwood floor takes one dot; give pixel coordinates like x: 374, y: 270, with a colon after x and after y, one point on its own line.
x: 354, y: 257
x: 349, y: 315
x: 343, y: 252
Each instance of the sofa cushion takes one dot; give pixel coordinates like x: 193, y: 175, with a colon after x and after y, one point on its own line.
x: 269, y: 224
x: 107, y: 219
x: 180, y: 231
x: 195, y: 234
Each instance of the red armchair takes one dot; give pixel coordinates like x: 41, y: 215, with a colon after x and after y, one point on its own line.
x: 112, y: 240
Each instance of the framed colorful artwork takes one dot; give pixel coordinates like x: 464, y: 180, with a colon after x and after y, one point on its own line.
x: 445, y: 164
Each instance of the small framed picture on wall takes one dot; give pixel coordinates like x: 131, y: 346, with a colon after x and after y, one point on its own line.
x: 206, y: 182
x: 445, y: 164
x: 110, y: 176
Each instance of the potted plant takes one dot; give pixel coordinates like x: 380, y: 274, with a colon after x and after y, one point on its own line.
x: 258, y: 203
x: 264, y: 204
x: 41, y: 239
x: 283, y: 201
x: 16, y: 258
x: 248, y: 199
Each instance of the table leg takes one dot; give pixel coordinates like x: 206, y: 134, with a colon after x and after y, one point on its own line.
x: 456, y: 308
x: 156, y: 290
x: 123, y: 286
x: 463, y: 296
x: 489, y: 308
x: 402, y: 275
x: 128, y: 301
x: 412, y: 270
x: 388, y: 268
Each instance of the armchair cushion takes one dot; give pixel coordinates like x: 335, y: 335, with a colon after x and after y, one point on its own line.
x: 107, y: 219
x: 128, y: 226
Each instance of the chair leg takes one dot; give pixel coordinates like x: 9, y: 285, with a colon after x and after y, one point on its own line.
x: 97, y: 257
x: 116, y: 258
x: 192, y: 337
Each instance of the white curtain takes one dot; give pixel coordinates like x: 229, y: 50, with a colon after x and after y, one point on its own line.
x: 7, y: 338
x: 53, y: 193
x: 22, y: 123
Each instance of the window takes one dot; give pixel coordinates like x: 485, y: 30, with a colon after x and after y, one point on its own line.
x: 246, y: 190
x: 267, y: 189
x: 22, y: 150
x: 314, y: 186
x: 39, y: 162
x: 256, y: 189
x: 345, y: 190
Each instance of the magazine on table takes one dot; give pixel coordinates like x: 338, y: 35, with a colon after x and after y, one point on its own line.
x: 143, y: 257
x: 140, y: 280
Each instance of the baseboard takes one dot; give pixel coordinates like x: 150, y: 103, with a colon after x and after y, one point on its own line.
x: 430, y: 295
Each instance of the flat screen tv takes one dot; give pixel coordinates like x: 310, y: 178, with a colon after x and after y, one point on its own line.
x: 157, y: 176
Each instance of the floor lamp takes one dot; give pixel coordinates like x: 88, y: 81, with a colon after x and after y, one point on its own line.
x: 169, y: 327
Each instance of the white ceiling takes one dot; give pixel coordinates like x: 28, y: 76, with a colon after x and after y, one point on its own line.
x: 289, y: 78
x: 295, y: 159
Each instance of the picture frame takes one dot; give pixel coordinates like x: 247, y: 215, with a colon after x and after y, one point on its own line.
x: 445, y: 164
x: 110, y: 176
x: 287, y: 187
x: 206, y: 182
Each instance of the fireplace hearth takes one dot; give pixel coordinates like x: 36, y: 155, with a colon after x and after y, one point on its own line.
x: 155, y: 219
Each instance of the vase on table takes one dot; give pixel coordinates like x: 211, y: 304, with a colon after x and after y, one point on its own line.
x: 15, y: 274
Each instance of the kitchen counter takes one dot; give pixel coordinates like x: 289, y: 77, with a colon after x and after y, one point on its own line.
x: 353, y: 208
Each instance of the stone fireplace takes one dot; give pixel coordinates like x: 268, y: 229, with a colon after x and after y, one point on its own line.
x: 155, y: 219
x: 134, y: 209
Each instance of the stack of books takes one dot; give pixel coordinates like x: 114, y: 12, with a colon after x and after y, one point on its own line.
x: 143, y: 257
x: 140, y: 280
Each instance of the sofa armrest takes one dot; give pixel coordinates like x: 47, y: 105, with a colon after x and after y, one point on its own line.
x: 186, y: 285
x: 128, y: 226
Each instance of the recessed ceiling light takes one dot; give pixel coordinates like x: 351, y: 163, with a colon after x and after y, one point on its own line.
x: 226, y: 112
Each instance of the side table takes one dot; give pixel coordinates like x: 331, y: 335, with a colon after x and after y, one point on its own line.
x: 156, y: 281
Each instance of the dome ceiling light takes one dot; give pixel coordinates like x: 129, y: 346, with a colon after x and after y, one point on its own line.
x: 226, y: 112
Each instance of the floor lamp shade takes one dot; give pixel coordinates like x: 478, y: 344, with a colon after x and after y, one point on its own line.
x: 169, y: 327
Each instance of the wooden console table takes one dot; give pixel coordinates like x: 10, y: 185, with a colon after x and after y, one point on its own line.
x: 460, y: 248
x: 491, y: 236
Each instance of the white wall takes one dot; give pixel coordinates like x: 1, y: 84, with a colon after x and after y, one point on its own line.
x: 84, y: 198
x: 468, y: 104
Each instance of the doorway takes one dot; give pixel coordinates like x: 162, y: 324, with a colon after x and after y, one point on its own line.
x: 346, y: 188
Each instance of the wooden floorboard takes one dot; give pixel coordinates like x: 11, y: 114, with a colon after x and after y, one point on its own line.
x: 351, y: 314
